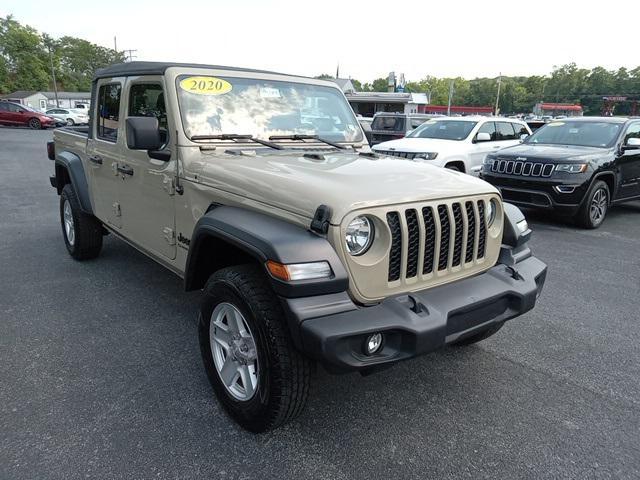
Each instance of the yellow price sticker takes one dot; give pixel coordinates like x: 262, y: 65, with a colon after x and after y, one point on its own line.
x: 205, y: 85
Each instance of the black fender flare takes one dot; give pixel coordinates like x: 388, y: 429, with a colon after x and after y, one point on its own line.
x: 264, y: 237
x: 600, y: 176
x: 73, y: 165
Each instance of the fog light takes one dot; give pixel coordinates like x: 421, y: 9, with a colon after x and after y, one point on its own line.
x: 373, y: 344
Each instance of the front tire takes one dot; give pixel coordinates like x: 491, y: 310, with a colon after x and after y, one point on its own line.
x: 70, y: 122
x: 258, y: 376
x: 82, y: 232
x: 595, y: 206
x: 35, y: 124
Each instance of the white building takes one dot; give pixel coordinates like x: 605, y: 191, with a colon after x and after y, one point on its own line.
x: 46, y: 100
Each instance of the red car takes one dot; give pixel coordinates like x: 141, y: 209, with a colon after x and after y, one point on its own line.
x: 14, y: 114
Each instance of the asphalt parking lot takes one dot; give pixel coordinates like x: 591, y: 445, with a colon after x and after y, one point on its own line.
x: 101, y: 377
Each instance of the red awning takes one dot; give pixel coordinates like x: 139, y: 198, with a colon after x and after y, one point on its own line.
x: 561, y: 106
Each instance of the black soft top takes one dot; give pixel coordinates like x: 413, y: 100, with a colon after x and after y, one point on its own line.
x: 158, y: 68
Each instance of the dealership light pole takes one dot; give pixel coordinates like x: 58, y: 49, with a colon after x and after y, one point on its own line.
x: 450, y: 96
x: 53, y: 74
x: 497, y: 110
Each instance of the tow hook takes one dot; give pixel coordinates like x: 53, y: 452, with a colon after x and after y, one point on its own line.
x: 514, y: 273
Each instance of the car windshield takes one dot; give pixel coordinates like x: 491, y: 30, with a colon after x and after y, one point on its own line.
x: 390, y: 123
x: 444, y: 129
x: 584, y: 133
x: 263, y: 108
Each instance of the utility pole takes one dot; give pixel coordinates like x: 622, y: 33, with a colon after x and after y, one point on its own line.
x: 53, y: 74
x: 497, y: 110
x: 450, y: 97
x: 115, y: 44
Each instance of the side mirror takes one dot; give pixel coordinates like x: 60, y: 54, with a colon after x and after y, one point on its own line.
x: 632, y: 144
x: 143, y: 133
x: 483, y: 137
x: 523, y: 137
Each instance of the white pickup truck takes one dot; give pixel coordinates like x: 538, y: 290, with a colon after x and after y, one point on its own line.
x: 457, y: 143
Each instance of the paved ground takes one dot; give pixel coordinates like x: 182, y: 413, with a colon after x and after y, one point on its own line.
x: 100, y: 374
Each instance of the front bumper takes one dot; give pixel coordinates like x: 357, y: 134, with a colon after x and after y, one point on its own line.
x: 333, y: 330
x: 541, y: 192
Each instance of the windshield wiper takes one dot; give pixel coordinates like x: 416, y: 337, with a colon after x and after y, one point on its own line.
x: 307, y: 137
x: 236, y: 137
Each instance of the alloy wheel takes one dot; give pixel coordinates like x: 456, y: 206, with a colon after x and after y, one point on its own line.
x: 69, y: 227
x: 234, y: 351
x: 598, y: 208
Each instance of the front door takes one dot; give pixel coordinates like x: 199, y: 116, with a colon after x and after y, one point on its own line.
x: 104, y: 149
x: 480, y: 150
x: 147, y: 193
x: 629, y: 166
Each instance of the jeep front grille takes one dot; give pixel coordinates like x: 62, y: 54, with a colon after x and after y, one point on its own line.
x: 445, y: 233
x: 521, y: 168
x: 393, y: 153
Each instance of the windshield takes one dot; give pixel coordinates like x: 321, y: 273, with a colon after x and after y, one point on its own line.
x: 262, y: 108
x: 444, y: 129
x: 583, y: 134
x: 385, y: 122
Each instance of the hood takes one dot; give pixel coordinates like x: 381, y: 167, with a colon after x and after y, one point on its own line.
x: 552, y: 152
x: 419, y: 145
x: 343, y: 181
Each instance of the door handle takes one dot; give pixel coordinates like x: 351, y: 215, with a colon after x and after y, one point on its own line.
x: 97, y: 159
x: 125, y: 170
x: 496, y: 146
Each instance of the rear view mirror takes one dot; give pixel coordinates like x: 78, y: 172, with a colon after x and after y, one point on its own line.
x: 632, y: 144
x: 143, y: 133
x: 483, y: 137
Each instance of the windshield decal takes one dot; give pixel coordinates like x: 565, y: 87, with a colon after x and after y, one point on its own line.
x: 205, y: 85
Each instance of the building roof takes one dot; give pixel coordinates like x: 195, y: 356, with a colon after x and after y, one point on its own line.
x: 158, y: 68
x: 20, y: 94
x: 68, y: 95
x: 345, y: 84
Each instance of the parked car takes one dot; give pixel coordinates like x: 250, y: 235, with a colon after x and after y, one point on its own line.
x: 70, y: 116
x: 390, y: 126
x: 306, y: 248
x: 577, y: 167
x: 15, y: 114
x: 365, y: 123
x: 459, y: 143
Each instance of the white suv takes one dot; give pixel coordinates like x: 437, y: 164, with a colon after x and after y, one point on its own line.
x: 458, y: 143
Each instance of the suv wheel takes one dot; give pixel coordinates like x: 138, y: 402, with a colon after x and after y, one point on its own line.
x: 595, y: 206
x: 82, y: 233
x: 35, y: 124
x: 70, y: 122
x: 260, y: 379
x: 478, y: 337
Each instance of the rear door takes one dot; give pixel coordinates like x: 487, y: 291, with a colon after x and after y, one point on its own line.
x: 147, y: 194
x: 507, y: 134
x: 5, y: 117
x: 104, y: 149
x: 629, y: 165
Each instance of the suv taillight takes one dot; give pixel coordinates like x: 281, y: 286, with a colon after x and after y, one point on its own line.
x: 51, y: 150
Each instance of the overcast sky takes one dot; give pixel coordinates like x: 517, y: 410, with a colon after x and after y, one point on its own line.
x: 368, y: 38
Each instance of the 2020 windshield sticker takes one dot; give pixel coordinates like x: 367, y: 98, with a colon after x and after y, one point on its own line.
x: 205, y: 85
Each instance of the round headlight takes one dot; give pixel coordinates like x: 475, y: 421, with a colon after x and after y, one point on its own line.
x: 490, y: 212
x: 359, y: 235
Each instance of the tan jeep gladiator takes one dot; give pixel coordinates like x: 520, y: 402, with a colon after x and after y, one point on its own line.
x: 260, y: 190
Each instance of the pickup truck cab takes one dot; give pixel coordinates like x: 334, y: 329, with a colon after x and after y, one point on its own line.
x: 457, y: 143
x: 259, y: 189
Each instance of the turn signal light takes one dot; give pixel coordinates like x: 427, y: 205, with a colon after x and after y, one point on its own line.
x: 299, y: 271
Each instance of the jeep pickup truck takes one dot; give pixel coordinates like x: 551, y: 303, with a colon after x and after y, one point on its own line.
x: 260, y: 190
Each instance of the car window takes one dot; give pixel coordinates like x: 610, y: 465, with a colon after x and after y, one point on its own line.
x: 147, y: 100
x: 4, y: 107
x: 12, y: 107
x: 505, y: 131
x: 520, y: 129
x: 632, y: 132
x: 489, y: 128
x: 386, y: 122
x: 109, y: 111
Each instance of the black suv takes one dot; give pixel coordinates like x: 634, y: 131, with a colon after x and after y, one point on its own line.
x: 391, y: 126
x: 578, y: 167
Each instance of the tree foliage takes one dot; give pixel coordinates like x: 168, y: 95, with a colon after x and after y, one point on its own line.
x: 565, y: 84
x: 26, y: 57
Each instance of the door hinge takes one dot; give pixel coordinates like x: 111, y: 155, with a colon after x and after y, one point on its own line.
x: 169, y: 235
x: 116, y: 209
x: 169, y: 184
